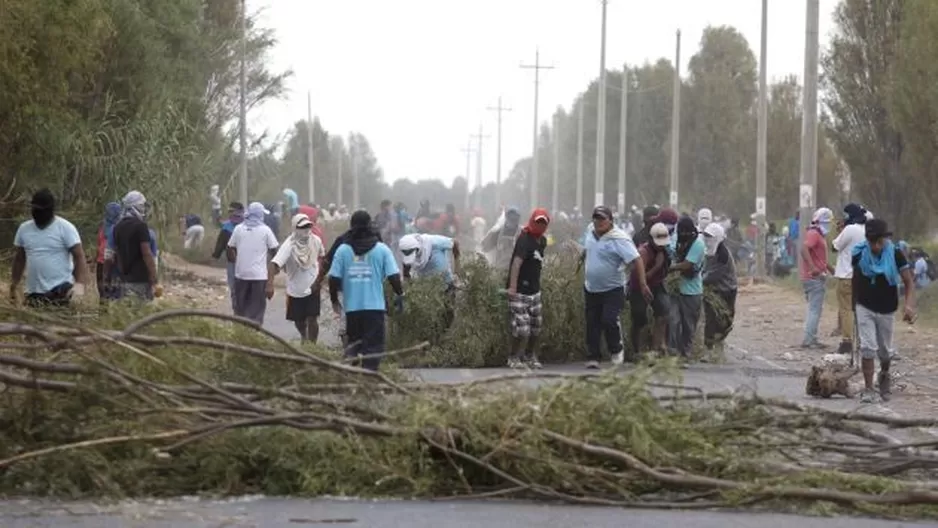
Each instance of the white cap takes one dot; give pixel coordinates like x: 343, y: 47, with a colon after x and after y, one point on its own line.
x: 301, y: 220
x: 659, y: 234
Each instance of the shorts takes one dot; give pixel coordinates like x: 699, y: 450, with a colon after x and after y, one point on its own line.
x: 303, y: 308
x: 527, y: 316
x: 638, y: 306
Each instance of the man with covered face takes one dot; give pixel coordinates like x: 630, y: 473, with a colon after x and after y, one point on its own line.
x: 500, y: 240
x: 131, y: 250
x: 719, y: 278
x: 878, y: 269
x: 814, y: 270
x: 524, y: 290
x: 689, y: 252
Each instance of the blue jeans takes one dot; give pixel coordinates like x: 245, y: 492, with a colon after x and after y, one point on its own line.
x: 231, y: 278
x: 814, y: 293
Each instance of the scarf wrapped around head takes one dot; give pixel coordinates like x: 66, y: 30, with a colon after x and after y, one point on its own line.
x: 301, y: 249
x: 135, y: 205
x: 534, y: 227
x: 883, y: 264
x: 254, y: 216
x: 112, y: 214
x: 856, y: 214
x: 423, y: 244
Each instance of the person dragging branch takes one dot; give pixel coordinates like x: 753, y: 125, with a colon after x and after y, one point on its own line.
x: 878, y: 268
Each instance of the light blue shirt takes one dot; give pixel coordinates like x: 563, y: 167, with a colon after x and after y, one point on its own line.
x: 363, y: 276
x: 692, y: 286
x: 606, y: 260
x: 48, y: 257
x: 293, y: 201
x: 439, y: 260
x: 921, y: 274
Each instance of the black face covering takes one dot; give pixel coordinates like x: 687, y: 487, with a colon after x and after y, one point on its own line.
x: 43, y: 216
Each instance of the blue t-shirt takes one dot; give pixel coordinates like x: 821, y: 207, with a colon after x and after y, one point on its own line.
x: 606, y: 260
x: 439, y: 261
x: 48, y: 257
x: 293, y: 201
x: 694, y: 285
x: 363, y: 276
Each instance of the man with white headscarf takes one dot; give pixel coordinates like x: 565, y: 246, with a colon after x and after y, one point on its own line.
x: 215, y: 200
x: 251, y: 244
x: 704, y: 218
x: 299, y: 256
x: 814, y: 270
x: 719, y: 279
x: 131, y: 249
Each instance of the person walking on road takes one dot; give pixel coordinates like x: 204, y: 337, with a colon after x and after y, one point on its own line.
x: 133, y: 251
x: 814, y: 271
x: 235, y: 217
x: 656, y: 261
x: 524, y: 291
x: 299, y: 256
x: 720, y: 279
x: 359, y: 269
x: 878, y: 268
x: 251, y: 244
x: 853, y: 233
x: 689, y: 252
x: 108, y: 285
x: 49, y: 251
x: 607, y: 252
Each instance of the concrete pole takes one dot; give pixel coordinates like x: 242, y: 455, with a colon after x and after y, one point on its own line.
x: 809, y: 120
x: 243, y: 106
x: 338, y: 176
x: 498, y: 170
x: 479, y: 137
x: 579, y: 156
x: 468, y: 152
x: 309, y: 148
x: 600, y: 176
x: 676, y: 126
x: 554, y: 197
x: 761, y: 142
x: 353, y: 152
x: 623, y: 141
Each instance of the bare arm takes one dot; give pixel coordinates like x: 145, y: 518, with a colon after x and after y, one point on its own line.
x: 909, y: 283
x: 456, y: 255
x: 81, y: 266
x: 658, y: 264
x: 514, y: 273
x: 640, y: 271
x: 149, y: 261
x: 232, y: 254
x: 19, y: 266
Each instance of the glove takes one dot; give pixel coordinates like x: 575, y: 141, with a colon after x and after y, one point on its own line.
x: 399, y: 303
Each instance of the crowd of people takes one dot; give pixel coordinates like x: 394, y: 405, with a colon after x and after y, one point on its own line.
x: 658, y: 261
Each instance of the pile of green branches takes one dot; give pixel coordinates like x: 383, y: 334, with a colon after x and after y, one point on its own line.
x: 175, y: 403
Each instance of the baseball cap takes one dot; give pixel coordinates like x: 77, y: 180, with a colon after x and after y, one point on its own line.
x: 668, y: 216
x: 649, y: 211
x: 659, y: 234
x: 876, y: 229
x: 603, y: 212
x: 236, y: 206
x: 300, y: 221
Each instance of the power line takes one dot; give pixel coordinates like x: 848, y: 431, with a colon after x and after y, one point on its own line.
x: 498, y: 170
x: 537, y: 67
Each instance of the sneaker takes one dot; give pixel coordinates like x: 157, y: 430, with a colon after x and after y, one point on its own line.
x: 534, y: 364
x: 895, y: 357
x: 845, y: 348
x: 515, y: 363
x: 884, y: 380
x: 618, y: 359
x: 870, y: 396
x: 592, y: 365
x: 816, y: 345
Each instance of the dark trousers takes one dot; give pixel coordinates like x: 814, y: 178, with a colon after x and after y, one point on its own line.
x: 366, y: 336
x: 602, y: 319
x: 250, y: 299
x: 685, y: 312
x: 719, y: 316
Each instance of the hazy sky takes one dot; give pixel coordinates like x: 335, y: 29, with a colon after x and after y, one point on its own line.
x: 416, y: 76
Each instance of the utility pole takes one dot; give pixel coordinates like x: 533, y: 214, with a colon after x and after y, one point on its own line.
x: 761, y: 142
x: 809, y: 119
x: 468, y: 151
x: 478, y: 137
x: 600, y: 178
x: 338, y: 183
x: 498, y: 170
x: 676, y: 125
x: 243, y: 110
x: 537, y: 67
x: 555, y: 186
x: 353, y: 152
x: 623, y: 140
x: 309, y: 147
x: 579, y: 156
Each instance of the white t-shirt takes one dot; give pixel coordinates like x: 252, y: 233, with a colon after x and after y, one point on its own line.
x: 852, y: 235
x: 252, y: 244
x: 478, y: 229
x: 299, y: 280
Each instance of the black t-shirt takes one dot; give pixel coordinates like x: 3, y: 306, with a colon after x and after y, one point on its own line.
x: 641, y: 237
x: 531, y: 251
x: 876, y: 295
x: 129, y: 234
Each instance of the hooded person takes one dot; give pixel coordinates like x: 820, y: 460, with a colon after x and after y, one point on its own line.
x: 649, y: 218
x: 215, y: 201
x: 704, y: 218
x: 251, y: 246
x: 719, y: 278
x: 425, y: 255
x: 358, y: 270
x: 235, y: 217
x: 655, y: 258
x: 299, y: 256
x: 292, y: 201
x: 852, y: 233
x: 499, y: 242
x: 106, y: 283
x: 814, y: 270
x: 132, y: 250
x: 878, y: 269
x: 689, y: 253
x: 607, y: 252
x: 49, y: 251
x: 524, y: 290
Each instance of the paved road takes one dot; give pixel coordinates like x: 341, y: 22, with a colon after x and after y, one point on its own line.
x: 274, y: 513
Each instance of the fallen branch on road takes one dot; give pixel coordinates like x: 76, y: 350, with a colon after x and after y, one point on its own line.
x: 191, y: 402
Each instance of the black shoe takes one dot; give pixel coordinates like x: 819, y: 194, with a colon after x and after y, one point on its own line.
x: 845, y: 348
